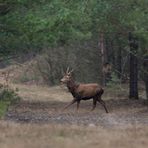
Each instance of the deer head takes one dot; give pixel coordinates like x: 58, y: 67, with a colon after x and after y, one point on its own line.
x: 67, y: 77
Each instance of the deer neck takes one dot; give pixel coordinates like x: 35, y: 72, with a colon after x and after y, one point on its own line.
x: 72, y: 85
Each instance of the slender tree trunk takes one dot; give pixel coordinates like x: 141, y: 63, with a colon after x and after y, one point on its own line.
x: 103, y: 49
x: 119, y: 61
x: 110, y: 50
x: 119, y: 57
x: 146, y: 87
x: 133, y: 92
x: 103, y: 55
x: 113, y: 55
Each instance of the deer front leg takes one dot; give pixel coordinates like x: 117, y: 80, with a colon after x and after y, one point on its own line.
x: 103, y: 104
x: 72, y: 102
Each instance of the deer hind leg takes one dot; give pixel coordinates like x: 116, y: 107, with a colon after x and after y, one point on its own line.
x: 78, y: 104
x: 94, y: 104
x: 103, y: 104
x: 72, y: 102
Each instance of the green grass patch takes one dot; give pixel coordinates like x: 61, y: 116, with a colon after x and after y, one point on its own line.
x: 3, y: 107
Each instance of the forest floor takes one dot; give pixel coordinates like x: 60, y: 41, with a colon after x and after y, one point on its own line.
x: 38, y: 121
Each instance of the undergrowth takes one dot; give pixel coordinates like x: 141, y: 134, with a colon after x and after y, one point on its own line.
x: 7, y: 97
x: 115, y: 82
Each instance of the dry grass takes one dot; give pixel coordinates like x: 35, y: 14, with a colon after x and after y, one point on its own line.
x: 16, y: 135
x: 45, y: 136
x: 42, y: 93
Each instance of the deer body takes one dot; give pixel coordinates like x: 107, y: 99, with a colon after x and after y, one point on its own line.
x: 83, y: 91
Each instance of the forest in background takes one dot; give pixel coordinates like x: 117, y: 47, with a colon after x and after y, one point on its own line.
x: 103, y: 41
x: 34, y: 25
x: 81, y: 34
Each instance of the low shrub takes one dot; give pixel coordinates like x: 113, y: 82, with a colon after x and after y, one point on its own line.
x: 8, y: 94
x: 7, y: 97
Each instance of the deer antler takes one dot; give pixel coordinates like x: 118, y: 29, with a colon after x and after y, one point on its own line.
x: 67, y: 70
x: 71, y: 71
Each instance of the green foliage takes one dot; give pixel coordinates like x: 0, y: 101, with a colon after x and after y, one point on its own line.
x: 3, y: 107
x: 28, y: 24
x: 39, y: 24
x: 114, y: 82
x: 9, y: 95
x: 35, y: 25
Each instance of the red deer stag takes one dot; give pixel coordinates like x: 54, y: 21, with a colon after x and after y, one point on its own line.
x: 83, y: 91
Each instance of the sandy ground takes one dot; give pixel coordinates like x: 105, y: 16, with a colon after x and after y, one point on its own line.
x: 122, y: 113
x: 38, y: 122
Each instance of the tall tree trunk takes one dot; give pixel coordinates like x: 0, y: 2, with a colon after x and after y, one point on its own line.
x: 145, y: 74
x: 119, y: 62
x: 103, y: 55
x: 119, y: 56
x: 133, y: 92
x: 146, y: 87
